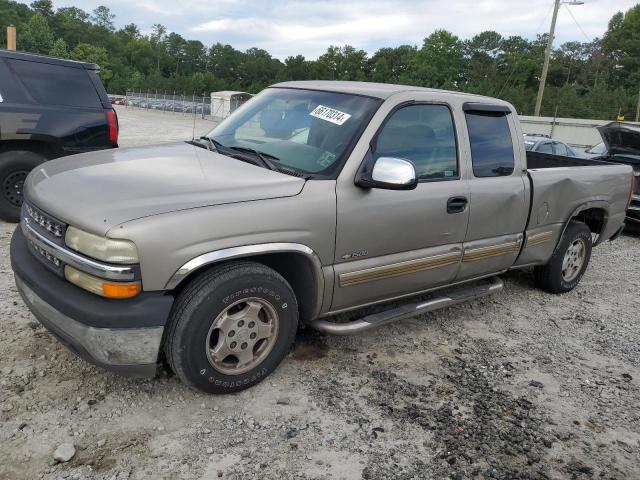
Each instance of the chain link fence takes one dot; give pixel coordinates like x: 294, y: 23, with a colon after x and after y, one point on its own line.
x: 215, y: 106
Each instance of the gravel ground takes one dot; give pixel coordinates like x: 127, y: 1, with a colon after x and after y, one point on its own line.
x: 519, y: 385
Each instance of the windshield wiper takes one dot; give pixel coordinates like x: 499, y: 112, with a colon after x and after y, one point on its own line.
x: 213, y: 145
x: 262, y: 157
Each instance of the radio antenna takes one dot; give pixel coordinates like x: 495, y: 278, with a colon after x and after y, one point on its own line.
x: 193, y: 104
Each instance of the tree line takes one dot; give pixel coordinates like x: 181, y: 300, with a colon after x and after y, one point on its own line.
x: 593, y: 79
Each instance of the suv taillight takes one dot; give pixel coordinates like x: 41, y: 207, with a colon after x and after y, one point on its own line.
x: 634, y: 185
x: 112, y: 121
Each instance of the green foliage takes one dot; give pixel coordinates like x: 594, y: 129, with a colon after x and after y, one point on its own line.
x: 103, y: 18
x: 59, y: 49
x: 597, y: 79
x: 37, y: 36
x: 89, y: 53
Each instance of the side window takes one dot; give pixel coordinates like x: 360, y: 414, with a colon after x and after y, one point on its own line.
x: 545, y: 148
x: 423, y: 134
x: 560, y: 149
x: 491, y: 144
x: 56, y: 84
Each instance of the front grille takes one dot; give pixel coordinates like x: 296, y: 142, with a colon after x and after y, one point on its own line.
x: 50, y: 228
x: 50, y: 261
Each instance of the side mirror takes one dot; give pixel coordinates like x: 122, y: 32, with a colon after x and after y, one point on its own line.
x: 388, y: 173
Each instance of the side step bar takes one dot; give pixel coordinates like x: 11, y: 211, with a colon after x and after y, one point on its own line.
x: 457, y: 295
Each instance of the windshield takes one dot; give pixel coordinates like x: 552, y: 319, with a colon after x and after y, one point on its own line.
x: 599, y: 149
x: 528, y: 144
x: 306, y: 130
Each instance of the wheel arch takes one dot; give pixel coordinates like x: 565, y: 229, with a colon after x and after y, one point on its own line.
x: 297, y: 263
x: 594, y: 214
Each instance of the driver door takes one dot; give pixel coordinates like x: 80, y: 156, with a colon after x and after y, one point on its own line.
x: 391, y: 243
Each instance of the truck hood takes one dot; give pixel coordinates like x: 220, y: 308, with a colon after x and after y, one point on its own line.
x: 621, y: 138
x: 100, y: 190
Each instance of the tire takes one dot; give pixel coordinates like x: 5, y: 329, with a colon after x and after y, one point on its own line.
x: 575, y: 249
x: 212, y: 320
x: 14, y: 168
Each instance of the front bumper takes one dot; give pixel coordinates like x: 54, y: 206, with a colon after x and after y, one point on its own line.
x: 119, y: 335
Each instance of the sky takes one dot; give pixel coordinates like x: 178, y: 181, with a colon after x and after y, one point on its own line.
x: 285, y: 27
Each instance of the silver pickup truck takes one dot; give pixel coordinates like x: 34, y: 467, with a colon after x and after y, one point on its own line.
x: 313, y: 199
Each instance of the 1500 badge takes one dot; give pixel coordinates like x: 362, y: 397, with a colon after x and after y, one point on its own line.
x: 358, y: 254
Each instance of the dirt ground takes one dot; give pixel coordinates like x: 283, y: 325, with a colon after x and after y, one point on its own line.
x: 520, y: 385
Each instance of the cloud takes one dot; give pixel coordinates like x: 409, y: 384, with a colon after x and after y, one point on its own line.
x: 287, y: 27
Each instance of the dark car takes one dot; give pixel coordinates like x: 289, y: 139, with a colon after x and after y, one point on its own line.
x: 621, y: 144
x: 49, y: 108
x: 544, y: 144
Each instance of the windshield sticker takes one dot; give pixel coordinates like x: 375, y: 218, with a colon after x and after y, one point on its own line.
x: 326, y: 159
x: 330, y: 114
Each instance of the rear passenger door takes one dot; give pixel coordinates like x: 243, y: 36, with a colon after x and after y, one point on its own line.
x: 498, y: 192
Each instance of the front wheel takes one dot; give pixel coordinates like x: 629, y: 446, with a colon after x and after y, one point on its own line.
x: 231, y: 327
x: 569, y: 261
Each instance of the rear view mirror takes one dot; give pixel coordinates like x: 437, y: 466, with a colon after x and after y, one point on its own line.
x: 388, y: 173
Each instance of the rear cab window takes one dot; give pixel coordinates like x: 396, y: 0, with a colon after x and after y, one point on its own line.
x: 50, y: 84
x: 491, y: 143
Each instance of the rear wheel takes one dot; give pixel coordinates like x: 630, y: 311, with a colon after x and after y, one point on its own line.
x: 569, y: 261
x: 14, y: 168
x: 231, y: 327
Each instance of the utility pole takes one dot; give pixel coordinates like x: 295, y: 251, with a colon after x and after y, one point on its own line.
x: 547, y: 52
x: 547, y: 56
x: 11, y: 37
x: 638, y: 108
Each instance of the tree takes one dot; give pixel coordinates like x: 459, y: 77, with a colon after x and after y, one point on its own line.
x: 594, y: 79
x: 59, y: 49
x: 92, y: 54
x: 622, y: 44
x: 103, y: 18
x: 45, y: 7
x: 297, y: 68
x: 37, y: 36
x: 441, y: 62
x: 157, y: 40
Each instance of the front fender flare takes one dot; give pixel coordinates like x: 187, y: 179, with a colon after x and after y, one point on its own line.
x: 251, y: 250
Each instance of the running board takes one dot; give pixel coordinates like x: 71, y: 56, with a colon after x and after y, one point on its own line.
x: 458, y: 295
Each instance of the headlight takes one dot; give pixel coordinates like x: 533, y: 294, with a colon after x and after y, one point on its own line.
x: 101, y: 248
x: 99, y: 286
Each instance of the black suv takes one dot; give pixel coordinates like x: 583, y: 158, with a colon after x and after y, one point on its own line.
x: 49, y: 108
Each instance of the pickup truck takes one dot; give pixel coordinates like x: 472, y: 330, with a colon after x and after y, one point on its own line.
x: 313, y: 199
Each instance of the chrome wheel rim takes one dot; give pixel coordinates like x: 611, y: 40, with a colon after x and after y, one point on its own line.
x: 574, y: 259
x: 242, y: 336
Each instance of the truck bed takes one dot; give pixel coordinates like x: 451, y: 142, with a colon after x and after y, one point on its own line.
x: 537, y: 160
x: 561, y: 186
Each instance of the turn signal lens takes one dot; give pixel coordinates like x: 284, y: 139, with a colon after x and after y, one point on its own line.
x: 100, y: 286
x: 121, y: 290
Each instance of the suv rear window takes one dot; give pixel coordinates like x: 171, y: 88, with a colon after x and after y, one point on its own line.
x: 56, y: 84
x: 491, y: 144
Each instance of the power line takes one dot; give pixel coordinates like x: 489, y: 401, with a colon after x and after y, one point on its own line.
x: 515, y: 64
x: 576, y: 22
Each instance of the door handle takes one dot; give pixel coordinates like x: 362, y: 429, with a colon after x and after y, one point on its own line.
x: 457, y: 204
